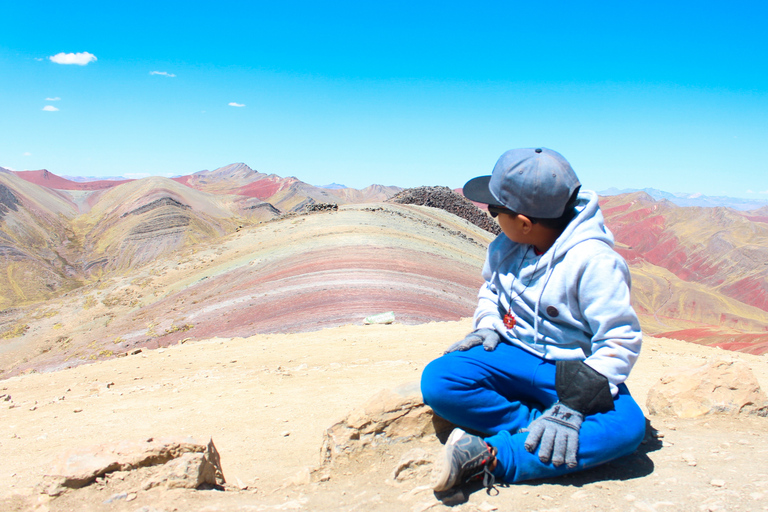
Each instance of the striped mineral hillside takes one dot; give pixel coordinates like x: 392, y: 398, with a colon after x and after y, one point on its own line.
x: 298, y: 273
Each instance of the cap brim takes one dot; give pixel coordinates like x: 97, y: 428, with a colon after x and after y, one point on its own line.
x: 477, y: 190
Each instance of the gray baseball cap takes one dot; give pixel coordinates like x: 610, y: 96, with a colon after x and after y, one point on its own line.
x: 535, y: 182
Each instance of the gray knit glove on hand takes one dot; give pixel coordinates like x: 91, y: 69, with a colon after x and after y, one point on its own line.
x: 556, y: 433
x: 487, y: 337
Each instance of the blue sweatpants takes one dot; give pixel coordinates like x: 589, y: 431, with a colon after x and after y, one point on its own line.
x: 499, y: 392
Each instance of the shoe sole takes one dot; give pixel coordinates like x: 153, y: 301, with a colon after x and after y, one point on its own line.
x: 441, y: 474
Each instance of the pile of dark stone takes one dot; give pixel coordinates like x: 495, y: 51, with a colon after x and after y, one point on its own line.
x: 322, y: 207
x: 448, y: 200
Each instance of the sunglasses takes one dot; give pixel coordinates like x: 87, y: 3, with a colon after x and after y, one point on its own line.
x: 496, y: 210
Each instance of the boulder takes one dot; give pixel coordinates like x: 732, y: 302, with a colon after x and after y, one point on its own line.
x: 176, y: 463
x: 724, y: 386
x: 190, y: 471
x: 389, y: 416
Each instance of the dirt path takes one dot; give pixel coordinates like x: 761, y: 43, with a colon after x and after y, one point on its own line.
x: 266, y: 401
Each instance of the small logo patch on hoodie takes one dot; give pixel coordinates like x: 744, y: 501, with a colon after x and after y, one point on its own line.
x: 552, y: 311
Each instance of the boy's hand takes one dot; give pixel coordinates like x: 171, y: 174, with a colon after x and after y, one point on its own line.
x: 581, y: 390
x: 487, y: 337
x: 556, y: 433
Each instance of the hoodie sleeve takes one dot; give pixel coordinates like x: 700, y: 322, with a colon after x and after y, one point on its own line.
x: 604, y: 297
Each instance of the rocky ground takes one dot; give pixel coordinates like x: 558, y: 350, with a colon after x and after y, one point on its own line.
x: 269, y: 402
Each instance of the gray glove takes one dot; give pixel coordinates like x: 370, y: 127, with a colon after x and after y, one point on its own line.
x: 581, y: 390
x: 556, y: 433
x: 487, y: 337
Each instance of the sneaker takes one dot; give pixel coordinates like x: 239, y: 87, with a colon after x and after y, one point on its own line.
x: 466, y: 457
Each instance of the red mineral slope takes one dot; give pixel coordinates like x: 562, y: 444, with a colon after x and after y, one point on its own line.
x: 699, y: 274
x: 760, y: 215
x: 718, y: 247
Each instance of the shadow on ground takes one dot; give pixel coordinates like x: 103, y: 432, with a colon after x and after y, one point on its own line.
x: 635, y: 465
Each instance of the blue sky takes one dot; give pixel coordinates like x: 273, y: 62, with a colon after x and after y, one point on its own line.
x: 669, y: 95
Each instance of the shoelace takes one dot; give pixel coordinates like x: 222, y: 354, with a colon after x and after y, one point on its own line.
x: 489, y: 479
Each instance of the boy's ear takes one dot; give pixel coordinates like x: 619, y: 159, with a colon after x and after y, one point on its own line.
x: 525, y: 223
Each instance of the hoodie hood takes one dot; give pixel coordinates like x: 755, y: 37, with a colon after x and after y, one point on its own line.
x: 588, y: 224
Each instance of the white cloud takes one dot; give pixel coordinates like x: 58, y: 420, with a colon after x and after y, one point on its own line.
x: 163, y: 73
x: 81, y: 59
x: 763, y: 192
x: 233, y: 104
x: 53, y: 99
x: 50, y: 108
x: 27, y: 153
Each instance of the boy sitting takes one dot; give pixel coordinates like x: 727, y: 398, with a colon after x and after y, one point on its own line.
x: 541, y: 378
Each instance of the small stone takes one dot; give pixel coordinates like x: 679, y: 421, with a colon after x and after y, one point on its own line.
x: 381, y: 318
x: 115, y: 497
x: 717, y: 482
x: 410, y: 464
x: 302, y: 477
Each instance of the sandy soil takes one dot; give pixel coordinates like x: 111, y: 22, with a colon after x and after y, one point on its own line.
x: 266, y: 401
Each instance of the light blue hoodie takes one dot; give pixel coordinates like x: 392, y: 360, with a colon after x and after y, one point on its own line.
x: 572, y: 302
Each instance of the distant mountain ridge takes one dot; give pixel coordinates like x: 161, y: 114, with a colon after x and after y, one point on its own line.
x: 238, y: 179
x: 698, y: 273
x: 56, y: 233
x: 83, y: 179
x: 685, y: 199
x: 47, y: 179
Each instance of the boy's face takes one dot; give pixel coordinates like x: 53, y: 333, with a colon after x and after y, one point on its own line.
x: 513, y: 226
